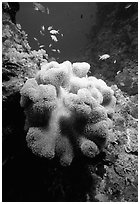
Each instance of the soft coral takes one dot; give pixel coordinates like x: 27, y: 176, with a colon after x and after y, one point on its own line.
x: 66, y: 112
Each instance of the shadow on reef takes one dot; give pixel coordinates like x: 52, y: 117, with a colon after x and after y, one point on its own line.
x: 27, y: 178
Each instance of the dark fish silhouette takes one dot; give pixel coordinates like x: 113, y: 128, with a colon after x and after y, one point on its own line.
x: 40, y: 7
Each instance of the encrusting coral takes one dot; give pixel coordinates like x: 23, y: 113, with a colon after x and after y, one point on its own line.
x: 67, y: 112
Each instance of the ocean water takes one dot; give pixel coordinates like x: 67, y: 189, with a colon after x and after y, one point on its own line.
x: 73, y: 20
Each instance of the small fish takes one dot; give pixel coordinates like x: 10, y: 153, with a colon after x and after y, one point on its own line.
x: 62, y: 34
x: 115, y: 61
x: 54, y: 50
x: 58, y: 50
x: 118, y: 72
x: 41, y: 32
x: 54, y: 32
x: 42, y: 46
x: 50, y: 45
x: 43, y: 28
x: 122, y: 84
x: 48, y: 11
x: 54, y: 38
x: 50, y: 27
x: 127, y: 6
x: 104, y: 57
x: 40, y: 7
x: 35, y: 39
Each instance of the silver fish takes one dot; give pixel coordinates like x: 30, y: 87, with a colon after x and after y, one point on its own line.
x: 54, y: 32
x: 48, y: 11
x: 127, y: 6
x: 40, y: 7
x: 41, y: 32
x: 104, y: 57
x: 122, y: 84
x: 54, y: 38
x: 118, y: 72
x: 35, y: 39
x: 42, y: 46
x: 43, y: 28
x: 50, y: 27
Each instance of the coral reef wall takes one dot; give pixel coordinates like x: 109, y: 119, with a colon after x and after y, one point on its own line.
x: 116, y: 34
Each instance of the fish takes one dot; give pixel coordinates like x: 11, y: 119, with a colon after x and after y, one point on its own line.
x: 50, y: 45
x: 48, y: 11
x: 54, y: 38
x: 40, y: 7
x: 41, y: 32
x: 118, y: 72
x: 50, y: 27
x: 54, y: 32
x: 62, y: 34
x: 35, y: 39
x: 56, y: 50
x: 115, y: 61
x: 43, y: 28
x: 122, y: 84
x: 127, y: 6
x: 42, y: 46
x: 104, y: 57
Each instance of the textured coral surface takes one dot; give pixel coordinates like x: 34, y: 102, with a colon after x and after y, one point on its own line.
x: 67, y: 112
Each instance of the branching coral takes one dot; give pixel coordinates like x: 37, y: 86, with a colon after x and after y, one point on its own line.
x: 66, y: 111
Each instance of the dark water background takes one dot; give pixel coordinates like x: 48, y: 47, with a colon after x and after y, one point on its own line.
x: 73, y: 19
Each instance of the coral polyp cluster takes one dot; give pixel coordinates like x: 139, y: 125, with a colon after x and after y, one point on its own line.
x: 66, y: 111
